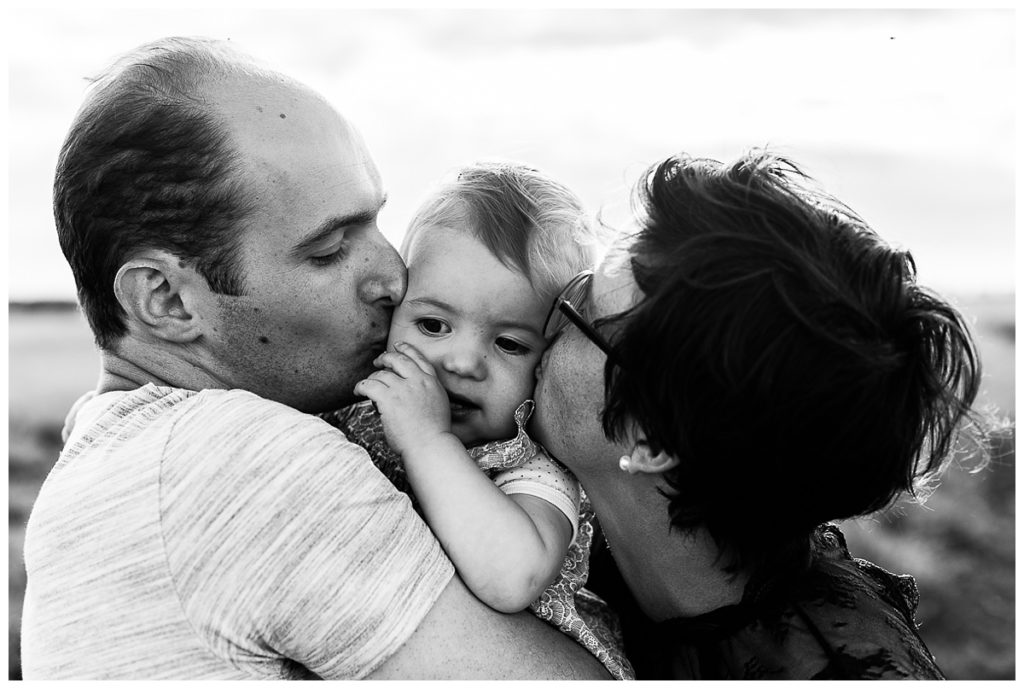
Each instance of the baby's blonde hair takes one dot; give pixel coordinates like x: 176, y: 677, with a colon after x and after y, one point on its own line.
x: 528, y: 221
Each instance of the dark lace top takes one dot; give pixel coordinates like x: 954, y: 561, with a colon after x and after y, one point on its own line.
x: 837, y: 618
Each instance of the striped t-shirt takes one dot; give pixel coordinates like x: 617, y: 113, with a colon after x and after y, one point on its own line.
x: 218, y: 535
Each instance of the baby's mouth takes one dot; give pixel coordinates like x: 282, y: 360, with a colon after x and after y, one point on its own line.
x: 460, y: 406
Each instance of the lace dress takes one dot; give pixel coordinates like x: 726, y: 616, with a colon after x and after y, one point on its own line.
x: 565, y: 604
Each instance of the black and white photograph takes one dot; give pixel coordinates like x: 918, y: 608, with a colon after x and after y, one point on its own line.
x: 511, y: 343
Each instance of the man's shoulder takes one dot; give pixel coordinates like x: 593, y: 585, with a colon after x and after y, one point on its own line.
x: 243, y: 419
x: 242, y: 406
x: 235, y: 442
x: 209, y: 423
x: 217, y: 408
x: 153, y: 401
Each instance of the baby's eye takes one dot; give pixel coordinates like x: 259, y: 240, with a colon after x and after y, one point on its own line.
x: 433, y: 326
x: 510, y: 346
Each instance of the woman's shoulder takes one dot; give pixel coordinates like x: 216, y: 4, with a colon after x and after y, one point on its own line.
x: 837, y: 618
x: 861, y: 615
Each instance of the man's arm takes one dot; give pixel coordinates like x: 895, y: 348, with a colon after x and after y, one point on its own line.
x: 461, y: 638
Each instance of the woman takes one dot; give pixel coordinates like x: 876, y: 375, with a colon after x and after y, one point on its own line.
x: 753, y: 364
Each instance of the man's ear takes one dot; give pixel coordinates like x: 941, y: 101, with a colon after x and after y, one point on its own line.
x: 642, y: 460
x: 149, y: 288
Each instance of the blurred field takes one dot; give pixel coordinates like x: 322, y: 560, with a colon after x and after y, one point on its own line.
x: 959, y: 546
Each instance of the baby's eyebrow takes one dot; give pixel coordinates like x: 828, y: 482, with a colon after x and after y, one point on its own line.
x: 445, y: 306
x: 430, y: 301
x: 518, y: 325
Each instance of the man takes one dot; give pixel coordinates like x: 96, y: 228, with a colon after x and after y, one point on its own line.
x: 221, y: 223
x: 754, y: 363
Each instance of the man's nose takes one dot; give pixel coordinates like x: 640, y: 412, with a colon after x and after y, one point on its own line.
x: 386, y: 283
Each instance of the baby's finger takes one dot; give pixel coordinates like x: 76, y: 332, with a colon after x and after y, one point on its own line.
x: 367, y: 387
x: 382, y: 379
x: 416, y: 356
x: 402, y: 364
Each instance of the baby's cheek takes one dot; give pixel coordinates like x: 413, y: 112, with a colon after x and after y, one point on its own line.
x: 530, y: 374
x: 432, y: 349
x: 522, y: 380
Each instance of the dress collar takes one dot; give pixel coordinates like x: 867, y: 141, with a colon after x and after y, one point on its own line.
x: 506, y: 454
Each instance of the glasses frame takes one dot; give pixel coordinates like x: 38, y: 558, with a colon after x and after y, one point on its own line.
x: 563, y: 305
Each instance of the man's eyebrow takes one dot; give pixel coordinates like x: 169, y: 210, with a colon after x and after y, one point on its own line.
x: 334, y: 224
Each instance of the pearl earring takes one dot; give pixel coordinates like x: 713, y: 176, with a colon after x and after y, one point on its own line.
x: 625, y: 463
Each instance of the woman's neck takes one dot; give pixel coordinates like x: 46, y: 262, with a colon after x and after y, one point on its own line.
x: 671, y: 573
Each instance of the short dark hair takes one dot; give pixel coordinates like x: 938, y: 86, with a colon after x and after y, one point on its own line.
x: 783, y: 352
x: 146, y: 164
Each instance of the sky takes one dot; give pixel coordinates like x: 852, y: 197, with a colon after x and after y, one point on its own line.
x: 906, y: 115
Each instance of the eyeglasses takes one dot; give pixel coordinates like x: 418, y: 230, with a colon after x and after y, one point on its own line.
x: 566, y: 309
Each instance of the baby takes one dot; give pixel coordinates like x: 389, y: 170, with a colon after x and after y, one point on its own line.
x: 487, y: 254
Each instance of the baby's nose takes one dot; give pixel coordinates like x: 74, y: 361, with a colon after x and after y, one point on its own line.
x: 468, y: 362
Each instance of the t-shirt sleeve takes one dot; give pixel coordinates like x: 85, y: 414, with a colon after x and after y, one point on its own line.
x: 544, y: 478
x: 285, y: 541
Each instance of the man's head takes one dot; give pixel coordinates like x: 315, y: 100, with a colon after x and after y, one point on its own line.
x: 779, y: 351
x: 148, y: 164
x: 223, y: 217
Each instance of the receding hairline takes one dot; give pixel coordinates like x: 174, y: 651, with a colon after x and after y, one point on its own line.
x: 196, y: 71
x: 185, y: 67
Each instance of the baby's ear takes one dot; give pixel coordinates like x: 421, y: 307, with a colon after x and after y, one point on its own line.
x: 643, y: 460
x: 149, y: 287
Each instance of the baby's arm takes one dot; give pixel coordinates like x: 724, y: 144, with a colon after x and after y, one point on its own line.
x: 507, y: 549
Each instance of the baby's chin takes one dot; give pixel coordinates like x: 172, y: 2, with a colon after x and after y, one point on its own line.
x: 472, y: 435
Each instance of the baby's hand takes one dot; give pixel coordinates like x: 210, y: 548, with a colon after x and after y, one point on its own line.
x: 412, y: 403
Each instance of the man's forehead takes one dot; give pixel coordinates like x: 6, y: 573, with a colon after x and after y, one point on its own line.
x: 262, y: 108
x: 244, y: 85
x: 284, y: 127
x: 306, y: 170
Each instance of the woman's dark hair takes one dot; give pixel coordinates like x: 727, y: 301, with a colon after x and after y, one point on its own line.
x: 783, y: 353
x: 146, y: 164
